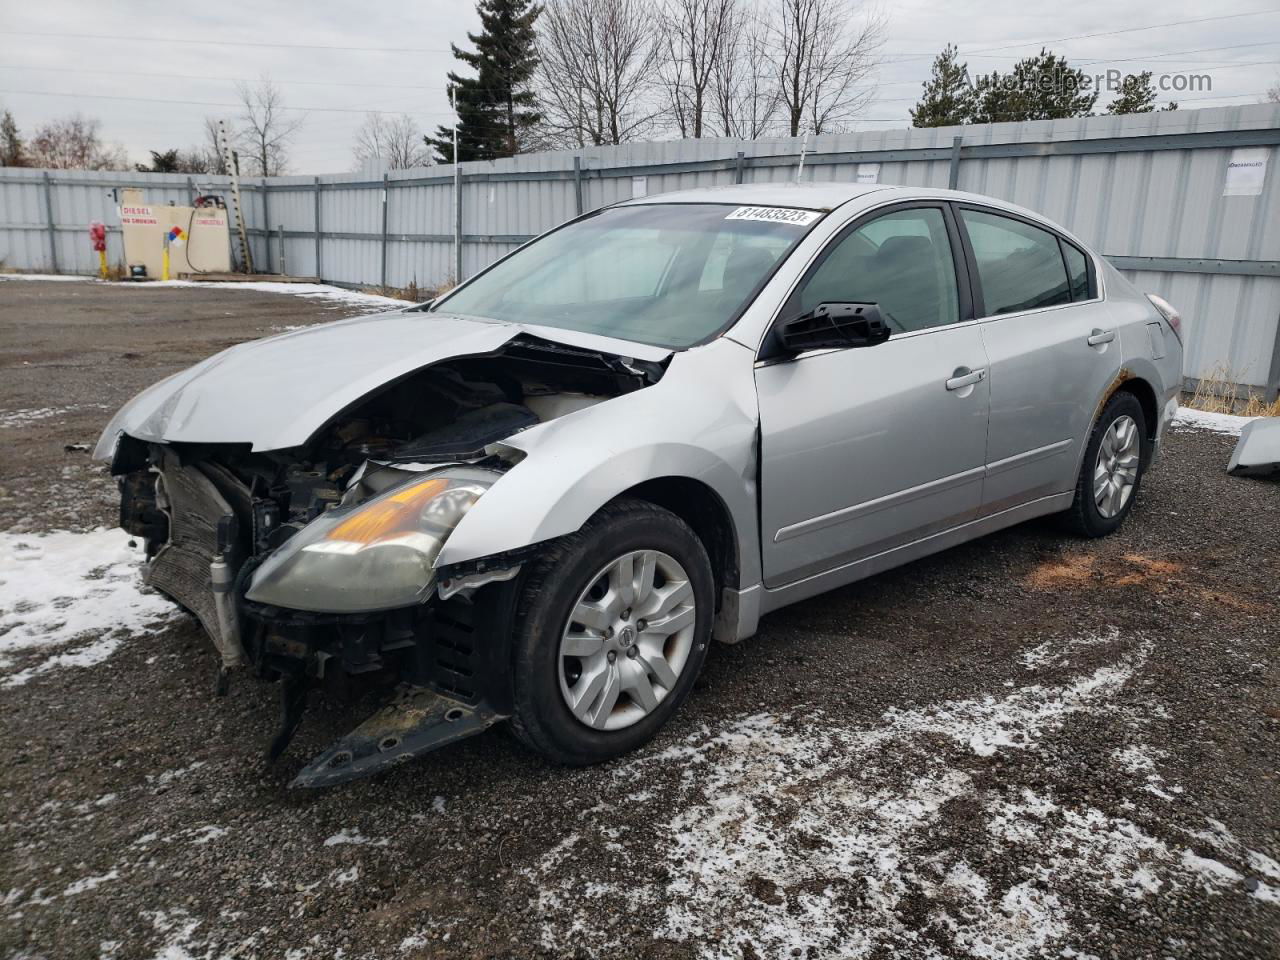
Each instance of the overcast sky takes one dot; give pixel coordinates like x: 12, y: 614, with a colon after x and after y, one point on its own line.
x: 62, y: 56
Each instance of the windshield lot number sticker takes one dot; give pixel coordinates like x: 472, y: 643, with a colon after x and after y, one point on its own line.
x: 799, y: 218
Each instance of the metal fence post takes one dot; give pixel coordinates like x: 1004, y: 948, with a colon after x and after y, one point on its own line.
x: 953, y: 172
x: 577, y: 185
x: 1273, y: 375
x: 738, y: 167
x: 457, y: 222
x: 385, y: 181
x: 284, y: 269
x: 266, y: 225
x: 319, y: 268
x: 48, y: 212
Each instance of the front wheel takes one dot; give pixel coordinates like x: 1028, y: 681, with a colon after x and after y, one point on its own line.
x: 612, y: 630
x: 1112, y: 468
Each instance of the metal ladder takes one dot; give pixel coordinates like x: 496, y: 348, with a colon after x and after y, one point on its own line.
x: 229, y: 161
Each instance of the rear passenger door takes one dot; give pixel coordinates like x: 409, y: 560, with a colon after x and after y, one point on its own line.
x: 1053, y: 351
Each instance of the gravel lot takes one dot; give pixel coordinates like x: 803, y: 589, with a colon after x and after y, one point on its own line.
x: 1031, y: 746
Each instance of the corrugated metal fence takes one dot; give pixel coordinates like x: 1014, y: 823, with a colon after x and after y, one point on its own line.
x: 1148, y: 190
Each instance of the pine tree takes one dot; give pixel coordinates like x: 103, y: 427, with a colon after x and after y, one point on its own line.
x: 1137, y: 95
x: 12, y: 149
x: 948, y: 98
x: 496, y: 106
x: 1043, y: 87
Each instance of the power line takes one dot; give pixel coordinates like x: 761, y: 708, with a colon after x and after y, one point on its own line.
x: 219, y: 43
x: 1112, y: 33
x: 191, y: 76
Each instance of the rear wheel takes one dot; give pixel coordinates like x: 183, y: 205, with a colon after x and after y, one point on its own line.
x: 612, y: 631
x: 1112, y: 468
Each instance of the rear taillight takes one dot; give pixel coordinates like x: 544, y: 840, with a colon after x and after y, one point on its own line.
x: 1171, y: 316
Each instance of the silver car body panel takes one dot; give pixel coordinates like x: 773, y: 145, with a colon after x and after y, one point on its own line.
x: 867, y: 461
x: 241, y: 396
x: 1257, y: 452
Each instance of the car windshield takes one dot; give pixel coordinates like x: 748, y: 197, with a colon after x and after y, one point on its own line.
x: 670, y: 275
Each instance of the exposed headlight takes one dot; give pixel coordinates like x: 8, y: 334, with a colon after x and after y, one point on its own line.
x: 376, y: 556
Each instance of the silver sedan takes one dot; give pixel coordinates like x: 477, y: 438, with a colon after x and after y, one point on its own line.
x: 539, y: 497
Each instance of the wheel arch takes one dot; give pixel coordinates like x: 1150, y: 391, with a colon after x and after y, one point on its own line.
x: 698, y: 505
x: 1146, y: 396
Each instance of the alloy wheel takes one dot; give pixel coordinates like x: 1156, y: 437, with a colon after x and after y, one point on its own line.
x: 1116, y: 471
x: 628, y: 638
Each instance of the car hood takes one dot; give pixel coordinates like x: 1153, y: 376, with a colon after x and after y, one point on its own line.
x: 275, y: 393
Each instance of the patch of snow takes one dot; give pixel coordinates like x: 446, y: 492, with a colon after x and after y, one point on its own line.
x: 169, y: 776
x: 207, y: 833
x: 48, y: 277
x: 62, y: 587
x: 1058, y: 652
x: 347, y: 876
x: 91, y: 883
x: 20, y: 418
x: 1224, y: 423
x: 315, y: 291
x: 801, y: 836
x: 353, y: 836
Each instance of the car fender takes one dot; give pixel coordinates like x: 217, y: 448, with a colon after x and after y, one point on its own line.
x: 700, y: 421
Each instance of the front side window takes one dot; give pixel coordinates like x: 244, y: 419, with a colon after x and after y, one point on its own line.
x: 1019, y: 266
x: 901, y: 261
x: 671, y: 275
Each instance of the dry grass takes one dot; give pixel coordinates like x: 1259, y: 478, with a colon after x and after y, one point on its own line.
x: 1215, y: 393
x: 413, y: 293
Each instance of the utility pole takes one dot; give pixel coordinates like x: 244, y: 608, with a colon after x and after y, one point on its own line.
x: 457, y: 193
x: 231, y: 162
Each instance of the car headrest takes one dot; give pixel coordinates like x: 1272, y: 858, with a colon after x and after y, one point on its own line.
x: 745, y: 268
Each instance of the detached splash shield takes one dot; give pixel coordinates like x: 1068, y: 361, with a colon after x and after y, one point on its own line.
x: 416, y: 721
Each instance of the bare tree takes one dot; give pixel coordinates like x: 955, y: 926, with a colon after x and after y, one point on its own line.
x: 395, y: 141
x: 694, y: 34
x: 743, y: 85
x: 266, y: 129
x: 73, y: 143
x: 821, y: 56
x: 1273, y: 93
x: 595, y: 79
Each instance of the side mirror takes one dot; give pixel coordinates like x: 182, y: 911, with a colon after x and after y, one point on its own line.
x: 834, y: 325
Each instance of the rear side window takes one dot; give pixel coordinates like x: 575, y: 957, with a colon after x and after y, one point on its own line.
x: 1077, y: 271
x: 1019, y: 266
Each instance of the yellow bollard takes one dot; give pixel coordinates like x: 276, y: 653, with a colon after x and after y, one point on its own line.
x: 164, y: 260
x: 102, y: 264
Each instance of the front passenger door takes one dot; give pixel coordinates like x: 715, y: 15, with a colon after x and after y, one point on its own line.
x: 866, y: 449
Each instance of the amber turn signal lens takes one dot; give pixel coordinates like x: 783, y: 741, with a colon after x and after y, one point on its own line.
x: 396, y: 514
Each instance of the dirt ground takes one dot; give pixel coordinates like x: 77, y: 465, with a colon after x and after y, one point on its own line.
x: 1030, y: 746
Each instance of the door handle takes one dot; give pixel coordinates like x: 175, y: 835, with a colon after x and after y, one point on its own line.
x: 964, y: 377
x: 1099, y: 337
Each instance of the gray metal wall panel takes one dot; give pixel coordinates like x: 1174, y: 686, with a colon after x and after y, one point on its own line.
x: 1164, y: 203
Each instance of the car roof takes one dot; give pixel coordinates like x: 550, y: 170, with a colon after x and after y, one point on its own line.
x: 827, y: 196
x: 808, y: 196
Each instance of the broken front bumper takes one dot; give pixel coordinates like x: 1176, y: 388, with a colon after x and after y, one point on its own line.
x: 446, y: 659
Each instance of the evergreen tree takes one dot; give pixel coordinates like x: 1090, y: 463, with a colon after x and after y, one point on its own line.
x: 1043, y: 87
x: 1137, y: 95
x: 12, y: 150
x: 496, y: 107
x: 948, y: 98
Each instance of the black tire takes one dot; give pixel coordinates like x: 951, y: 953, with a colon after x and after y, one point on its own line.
x: 542, y: 720
x: 1083, y: 517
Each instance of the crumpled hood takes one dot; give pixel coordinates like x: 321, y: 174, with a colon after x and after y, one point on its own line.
x: 275, y: 393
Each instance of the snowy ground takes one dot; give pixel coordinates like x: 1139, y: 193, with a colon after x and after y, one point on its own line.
x: 1029, y: 747
x: 315, y: 291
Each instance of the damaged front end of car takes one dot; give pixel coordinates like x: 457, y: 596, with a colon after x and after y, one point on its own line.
x: 316, y: 565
